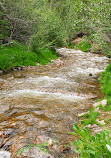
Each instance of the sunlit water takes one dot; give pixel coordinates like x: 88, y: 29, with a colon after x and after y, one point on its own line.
x: 45, y: 100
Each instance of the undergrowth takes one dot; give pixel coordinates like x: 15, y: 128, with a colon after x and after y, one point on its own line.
x: 90, y: 118
x: 90, y: 144
x: 84, y: 45
x: 16, y: 55
x: 105, y: 80
x: 44, y: 55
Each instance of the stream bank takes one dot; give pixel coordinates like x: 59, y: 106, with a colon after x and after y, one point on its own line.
x: 42, y: 103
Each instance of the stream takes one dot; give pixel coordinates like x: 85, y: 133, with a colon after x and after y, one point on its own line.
x: 43, y: 102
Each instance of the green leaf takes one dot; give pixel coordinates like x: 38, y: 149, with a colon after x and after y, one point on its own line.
x: 73, y: 133
x: 76, y: 128
x: 91, y: 152
x: 23, y: 149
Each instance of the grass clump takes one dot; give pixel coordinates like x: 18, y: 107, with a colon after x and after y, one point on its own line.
x: 43, y: 147
x: 44, y: 55
x: 16, y: 55
x: 84, y: 46
x: 105, y: 80
x: 90, y: 117
x: 88, y: 145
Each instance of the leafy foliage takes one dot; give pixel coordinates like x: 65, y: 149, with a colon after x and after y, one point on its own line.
x: 91, y: 117
x: 4, y: 28
x: 89, y: 145
x: 16, y: 55
x: 106, y: 81
x: 84, y: 46
x: 48, y: 23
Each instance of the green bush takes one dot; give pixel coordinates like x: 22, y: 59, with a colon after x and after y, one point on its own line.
x: 92, y: 146
x: 16, y: 55
x: 106, y: 81
x: 91, y: 117
x: 5, y: 27
x: 45, y: 55
x: 84, y: 46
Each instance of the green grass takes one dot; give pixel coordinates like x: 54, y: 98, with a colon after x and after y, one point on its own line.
x: 92, y: 146
x: 84, y: 46
x: 105, y: 80
x: 72, y: 45
x: 16, y: 55
x: 90, y: 118
x: 44, y: 55
x: 43, y: 147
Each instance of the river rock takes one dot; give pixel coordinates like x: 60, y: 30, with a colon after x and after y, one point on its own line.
x: 103, y: 103
x: 84, y: 113
x: 1, y: 82
x: 5, y: 154
x: 35, y: 152
x: 101, y: 122
x: 1, y: 71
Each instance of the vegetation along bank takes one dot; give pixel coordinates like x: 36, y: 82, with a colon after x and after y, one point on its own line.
x: 30, y: 31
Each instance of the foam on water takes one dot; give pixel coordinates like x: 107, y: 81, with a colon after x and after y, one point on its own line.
x: 45, y: 95
x: 50, y: 81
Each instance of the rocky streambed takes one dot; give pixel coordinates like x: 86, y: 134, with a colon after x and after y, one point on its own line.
x: 40, y: 104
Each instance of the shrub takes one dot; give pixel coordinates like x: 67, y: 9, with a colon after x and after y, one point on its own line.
x: 84, y: 46
x: 95, y: 146
x: 16, y: 55
x: 106, y: 81
x: 91, y: 117
x: 45, y: 55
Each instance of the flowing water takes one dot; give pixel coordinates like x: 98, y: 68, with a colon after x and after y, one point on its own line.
x: 44, y: 101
